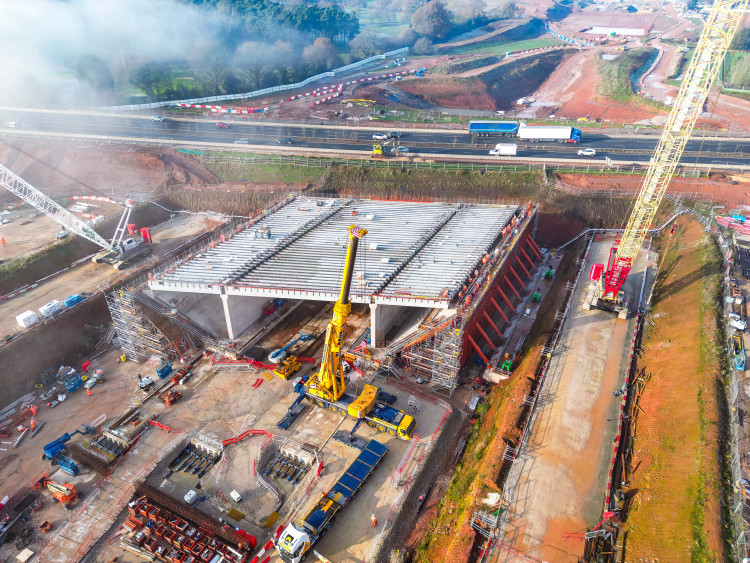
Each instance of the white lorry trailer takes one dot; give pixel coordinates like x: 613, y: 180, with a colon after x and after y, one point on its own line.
x: 560, y: 134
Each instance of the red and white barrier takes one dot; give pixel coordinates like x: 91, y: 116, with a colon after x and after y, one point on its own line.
x: 262, y: 552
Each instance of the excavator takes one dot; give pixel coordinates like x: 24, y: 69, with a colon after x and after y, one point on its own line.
x: 64, y: 493
x: 326, y: 388
x: 607, y: 290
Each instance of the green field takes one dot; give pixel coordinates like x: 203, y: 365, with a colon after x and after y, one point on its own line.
x: 615, y: 83
x: 736, y: 71
x: 501, y: 48
x: 261, y: 172
x: 376, y: 21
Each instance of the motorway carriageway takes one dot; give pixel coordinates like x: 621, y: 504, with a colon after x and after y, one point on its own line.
x: 713, y: 151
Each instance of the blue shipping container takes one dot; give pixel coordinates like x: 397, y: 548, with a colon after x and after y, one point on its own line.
x: 72, y: 300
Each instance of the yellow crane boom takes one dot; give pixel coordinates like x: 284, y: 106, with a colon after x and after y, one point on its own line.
x: 715, y: 39
x: 329, y: 382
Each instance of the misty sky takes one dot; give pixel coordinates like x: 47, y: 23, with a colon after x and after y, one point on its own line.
x: 41, y: 41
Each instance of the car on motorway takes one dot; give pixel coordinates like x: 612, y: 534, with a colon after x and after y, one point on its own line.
x: 394, y: 135
x: 285, y: 141
x: 402, y: 149
x: 586, y: 152
x: 222, y: 125
x: 380, y: 136
x: 242, y: 142
x: 158, y: 118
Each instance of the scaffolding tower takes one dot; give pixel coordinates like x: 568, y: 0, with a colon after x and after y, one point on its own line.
x: 137, y: 336
x: 438, y: 357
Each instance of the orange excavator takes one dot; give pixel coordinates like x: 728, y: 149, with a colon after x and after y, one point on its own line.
x: 64, y: 493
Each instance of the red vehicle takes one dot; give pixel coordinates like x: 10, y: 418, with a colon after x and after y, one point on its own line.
x: 222, y: 125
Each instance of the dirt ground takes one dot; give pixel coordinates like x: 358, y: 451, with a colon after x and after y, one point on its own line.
x: 571, y: 91
x: 562, y: 474
x: 92, y: 277
x: 118, y: 171
x: 720, y: 188
x: 27, y: 232
x: 19, y: 465
x: 675, y: 513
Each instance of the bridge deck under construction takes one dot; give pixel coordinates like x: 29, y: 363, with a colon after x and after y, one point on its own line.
x: 415, y: 254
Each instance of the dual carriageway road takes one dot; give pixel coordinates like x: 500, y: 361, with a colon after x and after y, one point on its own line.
x: 707, y: 151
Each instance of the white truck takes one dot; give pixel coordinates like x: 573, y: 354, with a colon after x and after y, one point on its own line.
x: 504, y: 149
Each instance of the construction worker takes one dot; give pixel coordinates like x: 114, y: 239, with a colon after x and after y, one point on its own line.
x: 374, y: 520
x: 33, y: 423
x: 88, y: 392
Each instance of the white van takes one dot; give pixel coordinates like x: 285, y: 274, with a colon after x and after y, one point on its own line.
x: 236, y: 497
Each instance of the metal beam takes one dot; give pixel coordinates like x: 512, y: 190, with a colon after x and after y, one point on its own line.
x: 527, y: 258
x: 487, y: 338
x: 534, y: 247
x: 489, y: 320
x: 499, y: 310
x: 479, y: 351
x: 523, y: 267
x: 520, y: 281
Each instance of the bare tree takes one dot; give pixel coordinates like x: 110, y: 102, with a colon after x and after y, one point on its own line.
x: 321, y: 55
x: 432, y: 20
x: 253, y: 60
x: 210, y: 65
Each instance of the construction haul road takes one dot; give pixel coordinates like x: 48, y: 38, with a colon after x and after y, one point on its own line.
x: 558, y: 482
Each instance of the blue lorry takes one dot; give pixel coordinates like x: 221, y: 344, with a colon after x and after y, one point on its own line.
x: 533, y: 133
x: 488, y: 128
x: 298, y: 539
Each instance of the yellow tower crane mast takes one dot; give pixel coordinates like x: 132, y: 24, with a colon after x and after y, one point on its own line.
x: 329, y: 382
x: 715, y: 39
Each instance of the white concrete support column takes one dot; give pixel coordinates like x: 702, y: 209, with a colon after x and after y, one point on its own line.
x: 382, y: 319
x: 241, y: 312
x: 227, y: 316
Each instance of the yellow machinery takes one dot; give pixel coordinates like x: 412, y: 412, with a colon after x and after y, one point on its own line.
x: 327, y: 386
x: 329, y: 383
x: 377, y: 151
x: 288, y: 367
x: 715, y: 39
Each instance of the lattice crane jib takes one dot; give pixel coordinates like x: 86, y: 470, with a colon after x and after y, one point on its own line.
x: 28, y: 193
x: 715, y: 39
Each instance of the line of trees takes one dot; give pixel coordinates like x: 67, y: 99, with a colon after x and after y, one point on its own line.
x: 263, y: 43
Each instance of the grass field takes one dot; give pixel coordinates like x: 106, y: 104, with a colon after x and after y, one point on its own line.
x: 501, y: 48
x: 676, y: 512
x: 615, y: 83
x: 736, y: 70
x: 262, y: 173
x: 376, y: 21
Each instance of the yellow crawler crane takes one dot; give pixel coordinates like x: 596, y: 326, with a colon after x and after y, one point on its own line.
x: 716, y: 37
